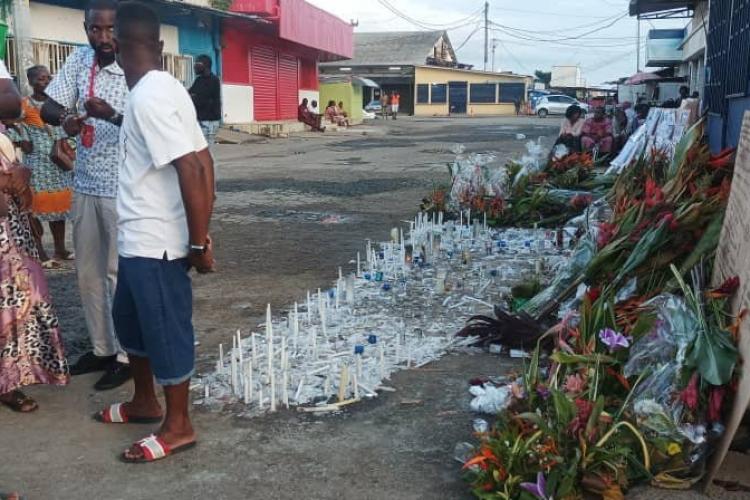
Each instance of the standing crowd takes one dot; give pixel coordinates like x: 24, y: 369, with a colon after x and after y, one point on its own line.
x: 119, y: 148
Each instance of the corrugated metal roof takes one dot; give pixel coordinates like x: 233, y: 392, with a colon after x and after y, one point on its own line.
x: 393, y: 48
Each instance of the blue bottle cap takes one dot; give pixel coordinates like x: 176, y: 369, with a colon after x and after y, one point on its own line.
x: 372, y: 339
x: 386, y: 286
x: 359, y: 349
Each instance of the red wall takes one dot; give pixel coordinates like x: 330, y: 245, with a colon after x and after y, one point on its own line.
x: 268, y: 7
x: 277, y: 70
x: 235, y: 63
x: 308, y: 25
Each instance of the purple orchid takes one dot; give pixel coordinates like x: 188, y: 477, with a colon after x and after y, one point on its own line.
x: 614, y: 340
x: 538, y: 489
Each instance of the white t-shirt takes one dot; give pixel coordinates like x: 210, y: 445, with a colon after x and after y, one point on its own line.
x: 4, y: 75
x: 159, y: 126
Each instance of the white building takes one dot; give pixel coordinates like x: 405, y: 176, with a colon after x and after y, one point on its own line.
x: 567, y: 76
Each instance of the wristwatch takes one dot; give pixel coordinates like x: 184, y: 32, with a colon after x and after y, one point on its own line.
x: 199, y: 249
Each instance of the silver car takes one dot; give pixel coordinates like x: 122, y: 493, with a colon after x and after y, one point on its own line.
x: 557, y: 105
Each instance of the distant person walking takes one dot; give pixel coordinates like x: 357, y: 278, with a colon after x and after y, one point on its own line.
x: 395, y: 103
x: 517, y: 104
x: 88, y: 97
x: 164, y: 207
x: 384, y: 104
x: 206, y: 95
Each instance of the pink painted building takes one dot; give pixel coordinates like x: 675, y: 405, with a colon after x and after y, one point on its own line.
x: 270, y: 64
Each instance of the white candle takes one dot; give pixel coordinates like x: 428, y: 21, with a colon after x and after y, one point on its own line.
x: 298, y: 393
x: 269, y: 339
x: 284, y: 389
x: 252, y: 346
x: 248, y: 386
x: 359, y: 266
x: 355, y: 383
x: 327, y: 383
x: 461, y: 217
x: 341, y: 274
x: 221, y: 359
x: 206, y: 390
x: 239, y: 346
x: 359, y: 365
x: 309, y: 307
x: 484, y: 224
x: 260, y: 397
x: 273, y: 392
x: 250, y: 379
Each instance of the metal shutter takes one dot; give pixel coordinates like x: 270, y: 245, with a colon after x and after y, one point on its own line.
x: 288, y: 87
x: 264, y: 71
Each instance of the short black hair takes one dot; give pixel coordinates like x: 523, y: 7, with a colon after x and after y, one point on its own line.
x: 100, y: 5
x: 573, y: 109
x: 138, y: 20
x: 34, y: 70
x: 206, y: 60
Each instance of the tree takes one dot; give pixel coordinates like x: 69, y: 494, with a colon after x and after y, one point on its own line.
x: 543, y: 76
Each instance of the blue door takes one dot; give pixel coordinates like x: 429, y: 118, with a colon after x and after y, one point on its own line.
x: 457, y: 97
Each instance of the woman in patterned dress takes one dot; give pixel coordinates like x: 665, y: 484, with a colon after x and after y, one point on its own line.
x: 52, y: 186
x: 31, y: 350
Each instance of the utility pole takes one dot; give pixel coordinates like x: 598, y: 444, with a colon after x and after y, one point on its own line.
x: 486, y: 33
x: 494, y: 47
x: 638, y: 45
x: 22, y: 36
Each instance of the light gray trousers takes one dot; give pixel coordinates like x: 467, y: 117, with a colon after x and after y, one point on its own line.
x: 95, y: 243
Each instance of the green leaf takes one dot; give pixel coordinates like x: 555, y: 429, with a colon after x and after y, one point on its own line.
x: 568, y: 359
x: 714, y: 355
x: 706, y: 245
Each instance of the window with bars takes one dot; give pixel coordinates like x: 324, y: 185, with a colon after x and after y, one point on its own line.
x: 483, y: 93
x: 512, y: 92
x: 423, y: 93
x: 54, y: 54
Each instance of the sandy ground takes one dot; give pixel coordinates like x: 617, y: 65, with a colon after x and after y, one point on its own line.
x: 289, y: 212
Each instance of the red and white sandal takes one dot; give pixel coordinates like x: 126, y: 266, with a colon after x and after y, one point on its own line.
x: 115, y: 414
x: 153, y: 448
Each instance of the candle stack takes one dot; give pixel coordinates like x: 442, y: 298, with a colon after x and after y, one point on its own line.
x: 385, y: 314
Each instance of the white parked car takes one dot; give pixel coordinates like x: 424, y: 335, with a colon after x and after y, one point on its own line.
x: 557, y: 105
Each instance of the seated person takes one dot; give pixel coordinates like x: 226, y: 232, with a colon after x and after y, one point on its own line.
x: 340, y: 109
x: 597, y: 132
x: 305, y: 116
x: 621, y: 129
x: 641, y: 113
x: 333, y: 116
x: 313, y: 108
x: 570, y: 130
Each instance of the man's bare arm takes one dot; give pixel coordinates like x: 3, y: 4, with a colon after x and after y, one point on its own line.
x: 196, y: 197
x: 208, y: 166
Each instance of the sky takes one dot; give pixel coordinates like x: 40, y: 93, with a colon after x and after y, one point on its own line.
x: 603, y: 56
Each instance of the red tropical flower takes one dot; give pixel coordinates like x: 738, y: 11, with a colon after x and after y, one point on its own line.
x: 715, y: 402
x: 689, y: 395
x: 726, y: 289
x: 578, y: 424
x: 654, y: 194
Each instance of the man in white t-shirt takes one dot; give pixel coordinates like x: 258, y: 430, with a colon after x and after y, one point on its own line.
x: 164, y: 204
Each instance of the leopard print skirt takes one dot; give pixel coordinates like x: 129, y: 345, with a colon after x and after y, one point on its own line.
x: 31, y: 349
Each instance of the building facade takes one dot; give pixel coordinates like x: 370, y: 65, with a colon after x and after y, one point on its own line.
x: 270, y: 67
x: 423, y: 69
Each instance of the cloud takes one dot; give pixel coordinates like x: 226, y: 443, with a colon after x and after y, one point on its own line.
x: 605, y: 55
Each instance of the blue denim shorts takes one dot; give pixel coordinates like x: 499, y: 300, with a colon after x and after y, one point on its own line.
x: 153, y: 315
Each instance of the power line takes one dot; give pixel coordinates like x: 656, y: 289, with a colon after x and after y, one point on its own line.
x: 522, y: 34
x: 471, y: 35
x: 432, y: 26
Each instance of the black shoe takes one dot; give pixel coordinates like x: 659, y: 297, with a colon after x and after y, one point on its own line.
x: 116, y: 375
x: 90, y: 363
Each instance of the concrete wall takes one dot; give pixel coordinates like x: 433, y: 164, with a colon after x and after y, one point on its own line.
x: 350, y: 94
x: 62, y: 24
x: 428, y: 75
x: 310, y: 95
x: 237, y: 104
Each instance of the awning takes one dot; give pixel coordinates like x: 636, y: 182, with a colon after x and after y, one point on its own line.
x: 641, y: 78
x: 364, y: 82
x: 651, y: 7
